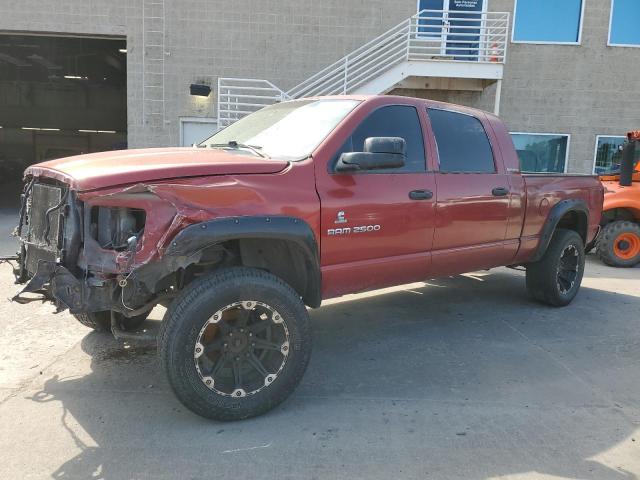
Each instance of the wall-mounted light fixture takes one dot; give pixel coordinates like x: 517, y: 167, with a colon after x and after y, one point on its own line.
x: 200, y: 90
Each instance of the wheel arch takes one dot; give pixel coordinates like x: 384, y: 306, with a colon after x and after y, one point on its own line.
x: 620, y: 213
x: 570, y: 214
x: 285, y: 246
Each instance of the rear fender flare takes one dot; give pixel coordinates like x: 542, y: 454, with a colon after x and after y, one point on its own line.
x: 556, y: 213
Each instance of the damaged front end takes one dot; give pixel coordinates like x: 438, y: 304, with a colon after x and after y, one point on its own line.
x: 80, y: 250
x: 123, y: 249
x: 49, y: 232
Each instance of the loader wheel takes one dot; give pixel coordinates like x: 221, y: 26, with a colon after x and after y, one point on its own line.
x: 101, y: 321
x: 619, y: 244
x: 235, y: 344
x: 555, y: 279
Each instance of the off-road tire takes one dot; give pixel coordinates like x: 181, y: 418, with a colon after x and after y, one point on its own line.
x: 101, y: 321
x: 606, y: 244
x: 190, y: 311
x: 542, y: 276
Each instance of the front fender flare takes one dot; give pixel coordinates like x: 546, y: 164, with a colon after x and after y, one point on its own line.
x: 200, y: 236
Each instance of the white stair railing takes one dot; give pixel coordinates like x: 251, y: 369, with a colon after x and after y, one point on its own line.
x: 478, y: 37
x: 238, y: 97
x: 386, y: 50
x: 429, y: 35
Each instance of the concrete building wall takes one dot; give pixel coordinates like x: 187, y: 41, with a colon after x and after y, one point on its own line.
x: 583, y: 90
x: 172, y: 44
x: 577, y: 90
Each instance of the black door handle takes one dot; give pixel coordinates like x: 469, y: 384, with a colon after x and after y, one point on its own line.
x: 421, y: 195
x: 500, y: 192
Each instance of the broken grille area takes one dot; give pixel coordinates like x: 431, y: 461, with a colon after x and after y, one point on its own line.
x: 43, y: 224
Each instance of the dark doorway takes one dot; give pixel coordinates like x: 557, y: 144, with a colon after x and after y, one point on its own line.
x: 59, y: 96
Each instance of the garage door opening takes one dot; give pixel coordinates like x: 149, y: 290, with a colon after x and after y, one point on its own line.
x: 59, y: 96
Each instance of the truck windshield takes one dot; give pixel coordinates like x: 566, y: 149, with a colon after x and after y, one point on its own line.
x: 288, y: 130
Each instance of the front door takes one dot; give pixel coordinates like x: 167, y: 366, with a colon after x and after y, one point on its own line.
x: 457, y: 23
x: 377, y: 225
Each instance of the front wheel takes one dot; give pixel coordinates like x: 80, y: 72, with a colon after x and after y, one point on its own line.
x: 555, y: 279
x: 101, y: 321
x: 235, y: 344
x: 619, y: 244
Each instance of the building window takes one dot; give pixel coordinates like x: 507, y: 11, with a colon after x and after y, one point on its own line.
x: 548, y: 21
x: 609, y: 154
x: 541, y: 152
x: 623, y: 23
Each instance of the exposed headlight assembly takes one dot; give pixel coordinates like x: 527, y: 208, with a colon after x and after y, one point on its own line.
x: 112, y: 227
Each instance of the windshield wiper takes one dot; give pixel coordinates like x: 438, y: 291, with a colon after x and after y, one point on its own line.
x: 235, y: 145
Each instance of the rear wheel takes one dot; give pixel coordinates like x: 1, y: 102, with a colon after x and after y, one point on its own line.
x: 619, y: 244
x: 555, y: 279
x: 235, y: 344
x: 101, y: 321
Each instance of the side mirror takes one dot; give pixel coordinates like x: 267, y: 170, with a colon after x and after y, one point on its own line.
x: 379, y: 153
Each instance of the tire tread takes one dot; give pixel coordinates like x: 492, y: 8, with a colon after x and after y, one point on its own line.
x: 180, y: 308
x: 101, y: 321
x: 96, y: 321
x: 604, y: 244
x: 541, y: 275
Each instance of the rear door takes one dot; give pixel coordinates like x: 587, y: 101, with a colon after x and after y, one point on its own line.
x: 377, y: 225
x: 473, y: 196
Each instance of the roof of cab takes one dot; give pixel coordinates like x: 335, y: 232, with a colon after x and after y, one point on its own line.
x: 395, y: 98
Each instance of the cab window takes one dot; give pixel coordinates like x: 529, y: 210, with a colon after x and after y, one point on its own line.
x: 391, y: 121
x: 463, y: 145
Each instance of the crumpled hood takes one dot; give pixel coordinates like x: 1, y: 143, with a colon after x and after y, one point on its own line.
x: 109, y: 169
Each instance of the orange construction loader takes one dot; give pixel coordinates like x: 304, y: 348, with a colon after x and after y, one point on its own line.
x: 618, y: 244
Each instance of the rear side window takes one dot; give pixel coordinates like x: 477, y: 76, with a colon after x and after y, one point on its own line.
x: 391, y: 121
x: 463, y: 145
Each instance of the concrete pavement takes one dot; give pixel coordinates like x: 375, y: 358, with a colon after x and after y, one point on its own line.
x: 462, y: 378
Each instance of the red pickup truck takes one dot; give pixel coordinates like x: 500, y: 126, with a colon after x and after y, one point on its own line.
x: 298, y: 202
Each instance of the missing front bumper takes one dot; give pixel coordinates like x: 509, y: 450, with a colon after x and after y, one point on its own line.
x: 55, y: 283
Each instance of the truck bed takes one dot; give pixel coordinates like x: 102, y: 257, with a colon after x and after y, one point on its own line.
x: 543, y: 191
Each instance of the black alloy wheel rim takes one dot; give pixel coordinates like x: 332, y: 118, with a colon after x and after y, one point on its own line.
x: 242, y: 348
x: 568, y: 267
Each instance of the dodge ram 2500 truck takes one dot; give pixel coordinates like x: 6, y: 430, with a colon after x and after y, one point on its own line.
x: 298, y: 202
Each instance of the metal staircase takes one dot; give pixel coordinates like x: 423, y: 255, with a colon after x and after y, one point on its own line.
x: 431, y: 43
